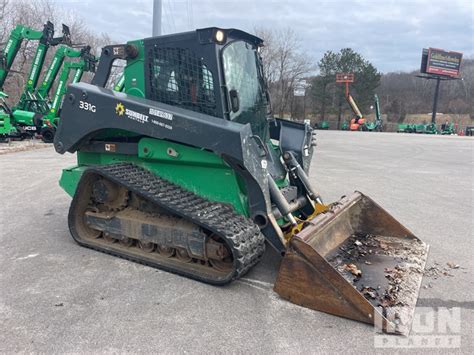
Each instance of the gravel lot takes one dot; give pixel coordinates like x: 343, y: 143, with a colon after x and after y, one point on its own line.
x: 20, y: 146
x: 57, y: 297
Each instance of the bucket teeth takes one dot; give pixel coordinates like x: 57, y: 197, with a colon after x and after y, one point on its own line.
x: 355, y: 261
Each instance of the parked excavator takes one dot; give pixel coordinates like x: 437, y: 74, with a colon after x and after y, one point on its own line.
x: 187, y: 171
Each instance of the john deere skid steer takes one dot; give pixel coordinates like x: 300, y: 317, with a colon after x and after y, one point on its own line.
x: 187, y: 172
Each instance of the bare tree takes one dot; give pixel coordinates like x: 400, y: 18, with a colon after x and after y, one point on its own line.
x: 3, y: 7
x: 403, y: 92
x: 34, y: 14
x: 284, y: 65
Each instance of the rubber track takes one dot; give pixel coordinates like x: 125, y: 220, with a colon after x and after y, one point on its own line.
x: 241, y: 234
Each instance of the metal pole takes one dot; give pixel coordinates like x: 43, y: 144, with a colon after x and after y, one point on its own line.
x: 435, y: 101
x: 156, y: 31
x: 304, y: 106
x: 339, y: 114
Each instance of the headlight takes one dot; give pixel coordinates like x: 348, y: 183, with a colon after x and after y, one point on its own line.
x: 219, y: 36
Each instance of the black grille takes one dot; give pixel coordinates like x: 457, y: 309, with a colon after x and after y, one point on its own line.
x: 179, y: 78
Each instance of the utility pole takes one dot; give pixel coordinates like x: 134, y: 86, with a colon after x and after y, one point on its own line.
x: 438, y: 64
x: 156, y: 31
x: 344, y: 78
x: 435, y: 101
x: 436, y: 93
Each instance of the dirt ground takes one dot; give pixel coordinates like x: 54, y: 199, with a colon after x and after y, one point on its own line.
x: 21, y: 146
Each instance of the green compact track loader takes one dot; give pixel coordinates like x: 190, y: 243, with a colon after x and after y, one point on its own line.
x: 187, y: 171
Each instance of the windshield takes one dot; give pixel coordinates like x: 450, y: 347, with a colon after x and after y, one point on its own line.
x: 243, y: 73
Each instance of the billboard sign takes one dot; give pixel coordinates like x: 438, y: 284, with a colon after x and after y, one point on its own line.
x: 300, y: 88
x: 441, y: 62
x: 424, y: 60
x: 344, y: 77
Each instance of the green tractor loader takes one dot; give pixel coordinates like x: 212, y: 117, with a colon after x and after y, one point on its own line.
x: 6, y: 127
x: 187, y: 171
x: 430, y: 128
x: 448, y: 128
x: 17, y: 124
x: 322, y: 125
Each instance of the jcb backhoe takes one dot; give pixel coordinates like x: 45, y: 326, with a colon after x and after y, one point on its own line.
x: 186, y: 171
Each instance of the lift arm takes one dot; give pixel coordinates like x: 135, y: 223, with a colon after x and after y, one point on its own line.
x: 40, y: 56
x: 119, y: 85
x: 28, y: 100
x: 108, y: 56
x: 14, y: 42
x: 50, y: 76
x: 86, y: 64
x: 354, y: 106
x: 378, y: 115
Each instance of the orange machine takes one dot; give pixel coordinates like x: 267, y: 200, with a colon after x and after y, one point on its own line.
x: 358, y: 120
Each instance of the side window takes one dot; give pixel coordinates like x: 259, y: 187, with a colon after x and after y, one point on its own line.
x: 172, y: 84
x: 179, y: 78
x: 242, y: 74
x: 208, y: 83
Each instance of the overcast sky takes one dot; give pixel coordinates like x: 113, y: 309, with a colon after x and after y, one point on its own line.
x: 388, y: 33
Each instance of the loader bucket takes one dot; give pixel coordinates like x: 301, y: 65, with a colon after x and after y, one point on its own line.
x: 355, y: 261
